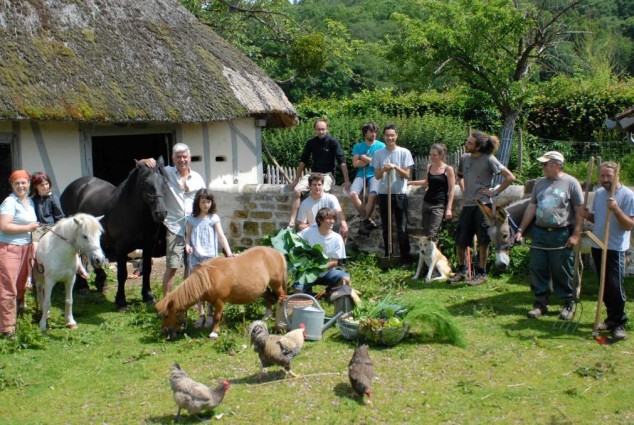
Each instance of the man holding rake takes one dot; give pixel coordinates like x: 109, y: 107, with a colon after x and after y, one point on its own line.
x: 621, y: 207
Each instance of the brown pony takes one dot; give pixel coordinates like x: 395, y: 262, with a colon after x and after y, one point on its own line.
x: 238, y: 280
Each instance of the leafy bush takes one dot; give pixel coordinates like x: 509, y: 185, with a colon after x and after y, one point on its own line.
x: 304, y: 262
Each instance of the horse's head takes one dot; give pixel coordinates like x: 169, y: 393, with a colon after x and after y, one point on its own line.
x: 87, y: 238
x: 170, y: 318
x: 154, y: 188
x: 500, y: 233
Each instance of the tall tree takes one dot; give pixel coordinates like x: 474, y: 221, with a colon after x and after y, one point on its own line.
x: 303, y: 58
x: 493, y: 46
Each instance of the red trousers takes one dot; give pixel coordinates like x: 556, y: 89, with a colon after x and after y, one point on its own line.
x: 14, y: 270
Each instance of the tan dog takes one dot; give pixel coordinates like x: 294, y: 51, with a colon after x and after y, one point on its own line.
x: 430, y: 255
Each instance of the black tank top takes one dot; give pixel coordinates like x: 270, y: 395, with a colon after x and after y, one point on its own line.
x: 437, y: 189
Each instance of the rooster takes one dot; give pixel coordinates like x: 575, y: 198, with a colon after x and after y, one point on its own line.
x: 361, y: 372
x: 194, y: 396
x: 276, y: 350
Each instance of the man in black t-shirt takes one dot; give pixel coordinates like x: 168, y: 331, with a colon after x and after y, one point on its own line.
x: 324, y: 150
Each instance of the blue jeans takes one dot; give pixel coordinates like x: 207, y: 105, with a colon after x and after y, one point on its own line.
x: 331, y: 277
x: 550, y: 263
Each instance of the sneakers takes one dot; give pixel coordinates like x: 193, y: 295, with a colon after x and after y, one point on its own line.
x: 535, y: 313
x: 370, y: 224
x: 619, y: 332
x: 605, y: 326
x: 478, y: 279
x: 567, y: 311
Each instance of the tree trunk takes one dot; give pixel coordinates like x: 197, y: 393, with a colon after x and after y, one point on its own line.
x: 506, y: 138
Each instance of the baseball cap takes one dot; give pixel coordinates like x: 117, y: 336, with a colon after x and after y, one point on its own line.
x: 557, y: 156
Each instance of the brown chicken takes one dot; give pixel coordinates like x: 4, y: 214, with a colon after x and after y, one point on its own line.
x: 276, y: 350
x: 194, y: 396
x: 361, y: 372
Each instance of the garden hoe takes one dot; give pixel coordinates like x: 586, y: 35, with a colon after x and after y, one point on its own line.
x: 391, y: 260
x: 602, y: 339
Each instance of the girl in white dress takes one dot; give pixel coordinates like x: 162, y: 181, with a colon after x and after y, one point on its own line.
x: 203, y: 236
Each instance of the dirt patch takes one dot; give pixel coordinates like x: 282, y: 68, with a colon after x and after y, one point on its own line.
x: 158, y: 268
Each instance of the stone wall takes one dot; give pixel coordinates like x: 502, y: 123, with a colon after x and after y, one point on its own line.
x: 250, y: 212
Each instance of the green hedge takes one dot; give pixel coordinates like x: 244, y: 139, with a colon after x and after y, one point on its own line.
x: 569, y: 109
x: 417, y: 133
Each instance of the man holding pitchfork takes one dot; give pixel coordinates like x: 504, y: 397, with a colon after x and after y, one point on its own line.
x: 621, y: 207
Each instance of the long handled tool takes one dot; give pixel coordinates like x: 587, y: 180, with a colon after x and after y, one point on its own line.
x: 578, y: 265
x: 602, y: 339
x: 391, y: 260
x: 272, y: 158
x: 364, y: 199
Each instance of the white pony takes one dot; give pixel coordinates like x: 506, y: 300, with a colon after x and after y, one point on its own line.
x: 56, y: 260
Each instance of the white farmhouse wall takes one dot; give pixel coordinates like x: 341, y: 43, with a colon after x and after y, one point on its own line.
x: 227, y: 153
x: 52, y: 147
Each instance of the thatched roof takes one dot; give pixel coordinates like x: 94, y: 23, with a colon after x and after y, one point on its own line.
x: 126, y: 61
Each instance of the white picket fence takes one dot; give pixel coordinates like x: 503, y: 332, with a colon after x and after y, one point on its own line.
x: 420, y: 163
x: 274, y: 175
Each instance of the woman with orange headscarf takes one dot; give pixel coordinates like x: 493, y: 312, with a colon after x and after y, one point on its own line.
x: 17, y: 221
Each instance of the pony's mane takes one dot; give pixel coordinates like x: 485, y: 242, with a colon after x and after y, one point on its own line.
x: 192, y: 289
x: 67, y: 228
x: 125, y: 186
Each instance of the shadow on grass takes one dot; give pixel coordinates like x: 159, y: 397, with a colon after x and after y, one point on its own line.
x: 497, y: 299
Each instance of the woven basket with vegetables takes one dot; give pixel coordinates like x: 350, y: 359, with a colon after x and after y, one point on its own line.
x: 383, y: 331
x: 389, y: 321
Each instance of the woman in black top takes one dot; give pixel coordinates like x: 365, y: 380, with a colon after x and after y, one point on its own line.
x: 48, y: 212
x: 440, y: 182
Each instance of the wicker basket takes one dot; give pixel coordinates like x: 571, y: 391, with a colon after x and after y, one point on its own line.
x: 349, y: 330
x: 387, y: 335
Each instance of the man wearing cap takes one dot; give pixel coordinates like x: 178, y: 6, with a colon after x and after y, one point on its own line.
x: 556, y: 205
x: 621, y: 207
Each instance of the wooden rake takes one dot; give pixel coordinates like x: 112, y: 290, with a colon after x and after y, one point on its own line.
x: 602, y: 339
x: 578, y: 265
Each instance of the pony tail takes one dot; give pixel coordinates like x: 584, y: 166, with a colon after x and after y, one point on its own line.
x: 495, y: 142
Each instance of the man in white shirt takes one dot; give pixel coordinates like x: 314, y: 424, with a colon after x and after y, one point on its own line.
x: 183, y: 183
x: 319, y: 199
x: 333, y: 247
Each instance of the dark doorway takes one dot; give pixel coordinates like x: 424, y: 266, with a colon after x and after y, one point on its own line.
x: 6, y: 168
x: 113, y: 156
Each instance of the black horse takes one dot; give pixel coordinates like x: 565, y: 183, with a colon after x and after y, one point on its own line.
x: 133, y: 216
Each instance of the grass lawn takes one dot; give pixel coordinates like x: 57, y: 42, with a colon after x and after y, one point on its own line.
x: 115, y: 367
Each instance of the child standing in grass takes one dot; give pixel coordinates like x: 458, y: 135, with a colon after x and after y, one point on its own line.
x: 203, y: 233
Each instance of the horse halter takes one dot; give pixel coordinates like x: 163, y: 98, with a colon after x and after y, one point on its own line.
x: 513, y: 226
x: 72, y: 243
x: 152, y: 198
